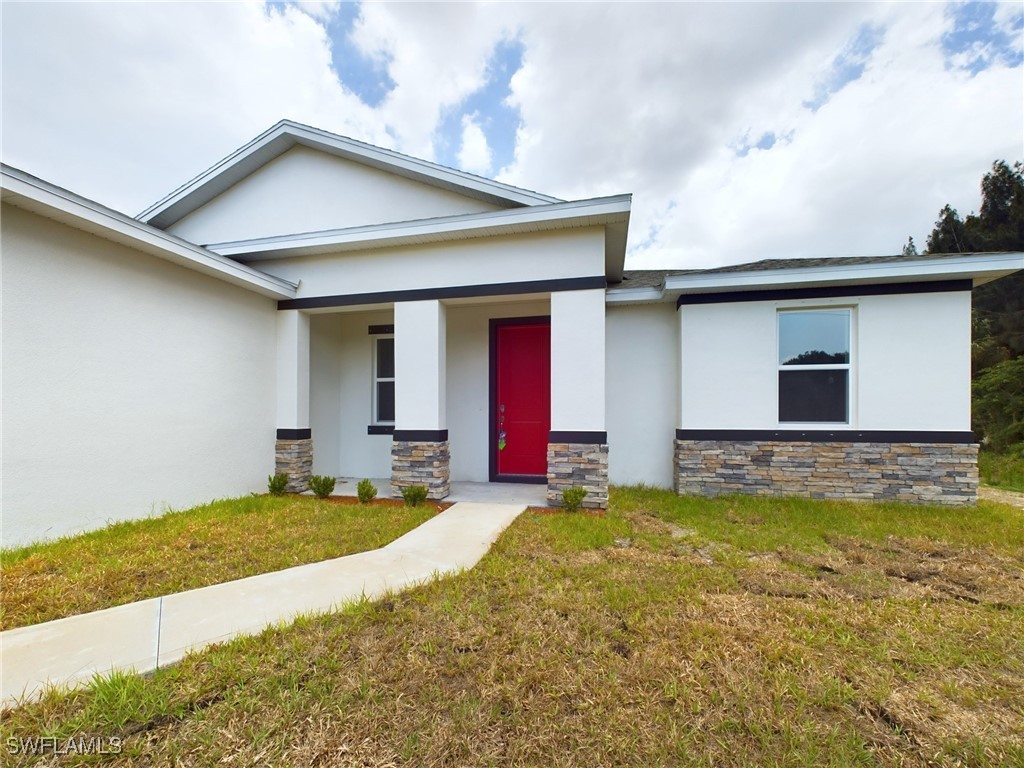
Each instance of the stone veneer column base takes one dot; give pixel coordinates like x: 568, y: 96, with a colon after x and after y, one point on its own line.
x: 295, y: 459
x: 926, y: 473
x: 420, y: 462
x: 583, y: 465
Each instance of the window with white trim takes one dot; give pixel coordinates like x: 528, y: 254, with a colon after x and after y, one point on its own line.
x: 384, y: 380
x: 814, y: 365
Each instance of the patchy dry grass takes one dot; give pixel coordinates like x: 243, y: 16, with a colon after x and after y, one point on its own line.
x: 672, y: 631
x: 216, y: 542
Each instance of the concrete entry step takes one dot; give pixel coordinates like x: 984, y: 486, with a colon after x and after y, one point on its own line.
x: 152, y: 633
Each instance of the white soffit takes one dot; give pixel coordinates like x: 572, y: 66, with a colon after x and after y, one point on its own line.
x: 287, y: 133
x: 610, y: 212
x: 25, y: 191
x: 979, y: 268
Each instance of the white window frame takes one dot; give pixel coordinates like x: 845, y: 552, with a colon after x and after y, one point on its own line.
x: 375, y: 380
x: 849, y: 366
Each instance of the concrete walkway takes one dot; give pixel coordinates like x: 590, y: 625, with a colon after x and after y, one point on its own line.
x: 153, y: 633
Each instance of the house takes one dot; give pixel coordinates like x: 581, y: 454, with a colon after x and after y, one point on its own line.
x: 316, y: 304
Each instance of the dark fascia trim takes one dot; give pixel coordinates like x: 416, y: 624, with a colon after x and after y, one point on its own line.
x: 295, y: 434
x: 492, y: 394
x: 447, y: 292
x: 380, y: 330
x: 826, y: 436
x: 586, y: 438
x: 420, y: 435
x: 824, y: 292
x: 380, y: 429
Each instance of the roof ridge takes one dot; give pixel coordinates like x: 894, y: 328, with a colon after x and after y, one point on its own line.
x: 356, y: 150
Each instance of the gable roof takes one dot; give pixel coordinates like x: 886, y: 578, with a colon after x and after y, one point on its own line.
x: 664, y: 284
x: 287, y: 134
x: 610, y: 212
x: 26, y: 191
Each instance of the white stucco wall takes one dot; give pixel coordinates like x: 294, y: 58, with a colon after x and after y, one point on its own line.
x: 910, y: 371
x: 420, y: 353
x: 578, y: 360
x: 341, y: 392
x: 540, y: 256
x: 642, y: 353
x: 130, y: 385
x: 306, y: 190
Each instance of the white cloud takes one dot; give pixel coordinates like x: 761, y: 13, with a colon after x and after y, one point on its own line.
x: 123, y: 103
x: 475, y: 153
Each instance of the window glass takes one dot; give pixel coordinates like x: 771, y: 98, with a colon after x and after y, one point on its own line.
x: 814, y: 395
x: 384, y: 380
x: 385, y: 358
x: 385, y: 401
x: 814, y: 337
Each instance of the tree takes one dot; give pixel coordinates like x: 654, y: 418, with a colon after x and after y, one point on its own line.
x: 910, y: 249
x: 948, y: 236
x: 997, y: 322
x: 998, y: 405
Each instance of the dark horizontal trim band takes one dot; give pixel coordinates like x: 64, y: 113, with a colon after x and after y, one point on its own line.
x: 374, y: 330
x: 825, y: 292
x: 826, y: 436
x: 447, y: 292
x: 380, y: 429
x: 523, y: 479
x: 588, y: 438
x: 294, y: 434
x: 420, y: 435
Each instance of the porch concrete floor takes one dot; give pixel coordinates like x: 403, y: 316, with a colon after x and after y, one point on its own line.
x: 494, y: 493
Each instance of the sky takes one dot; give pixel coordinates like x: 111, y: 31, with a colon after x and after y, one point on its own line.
x: 743, y: 130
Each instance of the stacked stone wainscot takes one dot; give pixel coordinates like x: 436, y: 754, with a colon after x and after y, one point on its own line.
x: 294, y: 458
x: 582, y: 465
x: 931, y: 473
x: 423, y: 463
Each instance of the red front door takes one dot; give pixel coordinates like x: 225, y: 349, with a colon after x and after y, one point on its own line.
x: 521, y: 411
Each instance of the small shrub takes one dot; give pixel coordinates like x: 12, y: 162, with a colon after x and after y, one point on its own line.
x: 414, y: 494
x: 277, y: 483
x: 573, y: 497
x: 321, y: 485
x: 366, y: 491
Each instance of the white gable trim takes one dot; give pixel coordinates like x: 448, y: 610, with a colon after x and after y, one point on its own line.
x: 286, y: 134
x: 611, y: 212
x: 981, y: 268
x: 32, y: 194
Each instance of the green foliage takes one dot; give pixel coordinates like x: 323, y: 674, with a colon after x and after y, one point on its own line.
x: 366, y: 491
x: 998, y: 405
x: 997, y: 319
x: 321, y: 485
x: 414, y: 494
x: 1003, y: 470
x: 573, y: 497
x: 277, y: 483
x: 910, y: 249
x: 999, y: 226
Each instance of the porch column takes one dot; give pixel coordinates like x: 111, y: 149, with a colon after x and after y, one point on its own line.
x: 419, y: 450
x: 294, y: 446
x: 578, y: 443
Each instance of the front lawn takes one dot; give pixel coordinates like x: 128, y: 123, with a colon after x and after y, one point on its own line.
x: 216, y: 542
x: 731, y: 632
